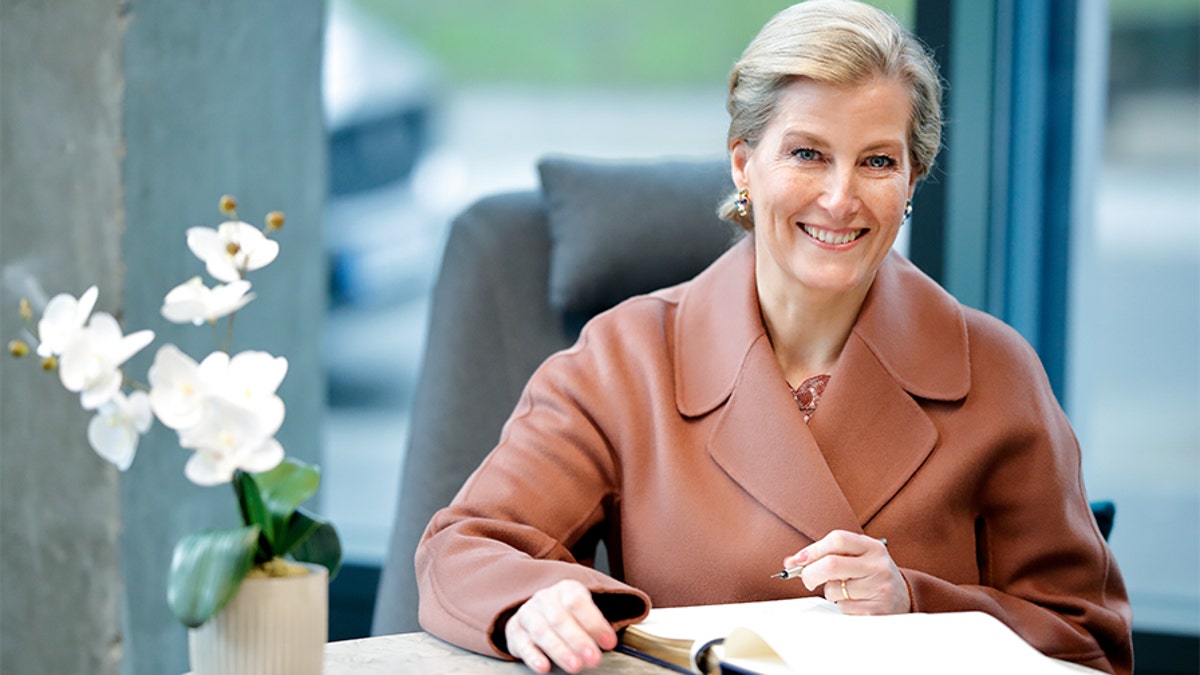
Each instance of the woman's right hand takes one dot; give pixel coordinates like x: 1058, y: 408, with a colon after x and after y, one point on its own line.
x: 559, y: 623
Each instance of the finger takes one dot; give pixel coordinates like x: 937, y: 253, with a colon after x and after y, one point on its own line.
x: 843, y: 555
x: 544, y: 631
x: 841, y: 542
x: 566, y: 624
x: 837, y: 542
x: 843, y: 592
x: 520, y: 646
x: 579, y: 603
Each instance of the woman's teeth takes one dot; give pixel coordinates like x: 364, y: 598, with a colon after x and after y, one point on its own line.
x: 832, y: 238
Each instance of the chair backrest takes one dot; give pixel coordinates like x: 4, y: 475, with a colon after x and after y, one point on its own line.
x: 520, y: 273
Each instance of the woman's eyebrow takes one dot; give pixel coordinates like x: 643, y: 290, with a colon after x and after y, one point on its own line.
x: 803, y: 136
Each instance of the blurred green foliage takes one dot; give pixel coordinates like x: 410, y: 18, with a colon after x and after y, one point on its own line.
x: 1139, y: 11
x: 590, y: 43
x: 573, y: 42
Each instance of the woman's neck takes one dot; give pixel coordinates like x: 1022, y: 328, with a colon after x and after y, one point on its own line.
x: 807, y: 328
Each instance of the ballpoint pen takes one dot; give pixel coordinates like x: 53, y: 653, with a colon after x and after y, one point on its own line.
x: 793, y: 572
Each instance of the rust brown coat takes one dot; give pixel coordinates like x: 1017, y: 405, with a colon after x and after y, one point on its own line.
x: 669, y: 432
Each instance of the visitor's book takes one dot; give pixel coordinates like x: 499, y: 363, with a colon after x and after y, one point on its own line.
x: 811, y: 635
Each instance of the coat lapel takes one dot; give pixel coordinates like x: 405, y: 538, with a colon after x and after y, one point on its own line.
x: 869, y: 434
x: 762, y: 442
x: 910, y: 340
x: 873, y: 435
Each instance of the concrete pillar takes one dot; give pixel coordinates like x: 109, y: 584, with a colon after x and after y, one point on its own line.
x: 121, y: 124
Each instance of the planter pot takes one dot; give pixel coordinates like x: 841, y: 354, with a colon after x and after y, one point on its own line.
x: 273, y: 626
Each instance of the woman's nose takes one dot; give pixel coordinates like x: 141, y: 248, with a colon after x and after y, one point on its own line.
x: 840, y: 195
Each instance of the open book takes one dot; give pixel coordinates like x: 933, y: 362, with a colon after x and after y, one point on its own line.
x: 810, y: 635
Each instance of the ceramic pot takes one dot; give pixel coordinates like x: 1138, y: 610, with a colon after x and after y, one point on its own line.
x: 273, y: 626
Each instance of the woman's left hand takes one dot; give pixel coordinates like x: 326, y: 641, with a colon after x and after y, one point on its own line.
x: 857, y: 572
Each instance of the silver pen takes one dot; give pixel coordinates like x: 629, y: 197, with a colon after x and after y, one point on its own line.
x: 789, y: 573
x: 793, y: 572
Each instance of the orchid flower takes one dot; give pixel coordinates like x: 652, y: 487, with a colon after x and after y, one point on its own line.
x: 62, y: 320
x: 229, y: 437
x: 252, y: 377
x: 114, y: 432
x: 232, y: 249
x: 193, y: 301
x: 249, y: 380
x: 91, y: 363
x: 177, y: 391
x: 235, y: 415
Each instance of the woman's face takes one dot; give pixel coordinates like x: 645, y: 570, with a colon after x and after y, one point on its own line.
x: 828, y: 182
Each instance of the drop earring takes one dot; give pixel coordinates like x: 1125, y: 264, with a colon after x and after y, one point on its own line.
x: 743, y: 202
x: 908, y: 209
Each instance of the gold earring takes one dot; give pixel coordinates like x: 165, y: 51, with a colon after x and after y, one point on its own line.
x: 743, y: 202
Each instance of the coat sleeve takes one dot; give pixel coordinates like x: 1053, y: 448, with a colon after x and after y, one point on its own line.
x: 529, y: 515
x: 1045, y: 570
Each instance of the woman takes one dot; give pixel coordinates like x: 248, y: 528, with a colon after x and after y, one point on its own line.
x: 805, y: 398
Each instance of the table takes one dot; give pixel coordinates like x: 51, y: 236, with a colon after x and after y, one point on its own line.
x: 423, y: 653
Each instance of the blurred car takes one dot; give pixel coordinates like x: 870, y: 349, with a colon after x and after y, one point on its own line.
x: 379, y: 96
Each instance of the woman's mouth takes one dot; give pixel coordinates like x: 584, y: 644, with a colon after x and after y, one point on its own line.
x: 830, y: 237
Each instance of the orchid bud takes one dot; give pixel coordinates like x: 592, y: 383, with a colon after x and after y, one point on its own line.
x: 228, y: 205
x: 50, y: 363
x: 18, y: 348
x: 26, y: 310
x: 274, y: 221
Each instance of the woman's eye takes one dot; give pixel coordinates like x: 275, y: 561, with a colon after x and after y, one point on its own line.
x: 880, y: 162
x: 806, y: 154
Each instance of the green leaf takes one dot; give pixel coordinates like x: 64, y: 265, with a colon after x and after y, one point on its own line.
x: 284, y: 488
x: 206, y: 571
x: 321, y: 546
x: 255, y: 512
x: 301, y: 526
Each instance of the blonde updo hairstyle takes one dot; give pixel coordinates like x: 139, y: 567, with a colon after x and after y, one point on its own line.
x: 836, y: 42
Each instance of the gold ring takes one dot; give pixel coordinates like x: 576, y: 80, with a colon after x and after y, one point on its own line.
x: 845, y: 593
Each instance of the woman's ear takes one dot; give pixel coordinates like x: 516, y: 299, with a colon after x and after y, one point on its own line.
x: 739, y: 157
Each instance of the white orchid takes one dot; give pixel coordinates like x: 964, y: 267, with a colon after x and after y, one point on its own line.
x: 177, y: 390
x: 91, y: 362
x: 225, y: 411
x: 194, y: 302
x: 224, y: 408
x: 179, y: 386
x: 114, y: 432
x: 249, y: 378
x: 232, y: 249
x: 62, y: 320
x: 230, y: 437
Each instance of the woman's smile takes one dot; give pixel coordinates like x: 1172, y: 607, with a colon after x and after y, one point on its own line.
x: 833, y: 238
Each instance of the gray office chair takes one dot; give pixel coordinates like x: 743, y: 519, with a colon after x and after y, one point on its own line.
x: 520, y: 275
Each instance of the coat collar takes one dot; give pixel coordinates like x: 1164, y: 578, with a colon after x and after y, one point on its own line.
x: 915, y: 329
x: 869, y: 434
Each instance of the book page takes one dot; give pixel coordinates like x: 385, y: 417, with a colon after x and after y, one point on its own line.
x: 677, y: 633
x: 704, y: 622
x: 946, y: 643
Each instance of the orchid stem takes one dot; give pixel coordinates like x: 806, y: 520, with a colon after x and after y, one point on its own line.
x: 229, y: 333
x: 134, y: 384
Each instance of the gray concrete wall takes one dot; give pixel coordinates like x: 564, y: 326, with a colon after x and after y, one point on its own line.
x: 60, y: 227
x: 121, y: 124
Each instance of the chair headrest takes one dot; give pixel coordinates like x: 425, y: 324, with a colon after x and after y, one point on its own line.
x: 621, y: 228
